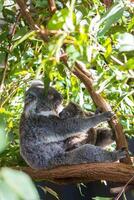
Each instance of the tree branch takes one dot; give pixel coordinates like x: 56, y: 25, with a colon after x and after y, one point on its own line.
x: 52, y: 6
x: 115, y: 172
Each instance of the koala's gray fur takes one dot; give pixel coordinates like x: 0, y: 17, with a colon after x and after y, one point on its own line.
x: 96, y: 136
x: 43, y: 133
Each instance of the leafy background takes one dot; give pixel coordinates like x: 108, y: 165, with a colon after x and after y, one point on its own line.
x: 100, y: 38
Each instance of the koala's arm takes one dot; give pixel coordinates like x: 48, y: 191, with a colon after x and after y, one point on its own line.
x: 82, y: 123
x: 60, y: 129
x: 73, y: 110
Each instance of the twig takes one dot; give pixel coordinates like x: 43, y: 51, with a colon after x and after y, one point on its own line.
x: 52, y: 6
x: 124, y: 188
x: 117, y: 190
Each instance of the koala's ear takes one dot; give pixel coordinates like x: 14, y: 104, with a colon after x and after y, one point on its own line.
x: 37, y: 83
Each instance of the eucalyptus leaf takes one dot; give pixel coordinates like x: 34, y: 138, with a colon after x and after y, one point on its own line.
x: 111, y: 17
x: 102, y: 198
x: 20, y: 183
x: 1, y: 5
x: 6, y: 192
x: 3, y: 134
x: 25, y: 37
x: 58, y: 19
x: 126, y: 42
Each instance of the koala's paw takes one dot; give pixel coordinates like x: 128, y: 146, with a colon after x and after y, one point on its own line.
x: 108, y: 115
x: 64, y: 114
x: 121, y: 153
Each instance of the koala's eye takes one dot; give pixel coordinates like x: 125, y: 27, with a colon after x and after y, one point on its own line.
x: 50, y: 96
x: 31, y: 95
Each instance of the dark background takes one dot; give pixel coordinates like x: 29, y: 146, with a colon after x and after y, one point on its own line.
x: 92, y: 189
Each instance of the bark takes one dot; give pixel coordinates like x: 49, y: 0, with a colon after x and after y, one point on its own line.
x: 52, y: 6
x: 115, y: 172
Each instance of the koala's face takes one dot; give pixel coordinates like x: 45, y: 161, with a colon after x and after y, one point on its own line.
x: 36, y: 101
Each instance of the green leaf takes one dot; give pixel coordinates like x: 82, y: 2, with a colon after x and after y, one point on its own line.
x: 1, y: 5
x: 25, y: 37
x: 41, y: 4
x: 20, y: 183
x: 102, y: 198
x: 6, y: 192
x: 72, y: 52
x: 3, y: 36
x: 129, y: 64
x: 129, y: 102
x: 2, y: 57
x: 20, y: 33
x: 3, y: 135
x: 126, y: 42
x: 131, y: 24
x: 58, y: 19
x: 111, y: 17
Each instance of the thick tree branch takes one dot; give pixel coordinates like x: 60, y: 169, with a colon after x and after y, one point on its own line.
x: 115, y: 172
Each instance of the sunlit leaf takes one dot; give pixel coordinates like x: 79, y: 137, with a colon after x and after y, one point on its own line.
x: 41, y: 4
x: 3, y: 134
x: 111, y: 17
x: 20, y: 33
x: 102, y: 198
x: 129, y: 64
x: 58, y: 19
x: 1, y: 5
x: 126, y: 42
x: 6, y: 192
x: 25, y: 37
x: 20, y: 183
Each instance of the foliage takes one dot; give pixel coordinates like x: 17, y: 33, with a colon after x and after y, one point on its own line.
x: 16, y: 185
x: 85, y: 31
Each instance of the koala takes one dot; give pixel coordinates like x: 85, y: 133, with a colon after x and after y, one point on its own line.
x: 99, y: 136
x: 43, y: 132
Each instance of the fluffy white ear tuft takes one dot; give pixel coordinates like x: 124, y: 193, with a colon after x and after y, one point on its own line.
x: 37, y: 83
x: 47, y: 113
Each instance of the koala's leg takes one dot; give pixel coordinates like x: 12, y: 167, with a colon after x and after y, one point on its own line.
x: 86, y: 154
x: 90, y: 154
x: 54, y: 155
